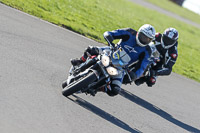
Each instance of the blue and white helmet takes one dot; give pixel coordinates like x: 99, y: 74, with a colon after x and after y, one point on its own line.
x: 169, y: 38
x: 145, y: 35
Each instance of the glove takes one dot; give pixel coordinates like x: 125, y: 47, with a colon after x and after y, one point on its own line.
x: 140, y: 81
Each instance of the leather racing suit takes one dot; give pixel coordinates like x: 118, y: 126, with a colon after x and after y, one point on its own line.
x: 131, y: 53
x: 168, y: 58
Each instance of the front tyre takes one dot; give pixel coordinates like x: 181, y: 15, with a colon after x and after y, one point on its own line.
x: 78, y: 85
x: 64, y: 84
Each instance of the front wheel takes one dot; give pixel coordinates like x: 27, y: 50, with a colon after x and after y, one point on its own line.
x: 64, y: 84
x: 78, y: 85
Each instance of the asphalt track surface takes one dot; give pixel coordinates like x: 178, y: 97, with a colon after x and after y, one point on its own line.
x: 34, y: 61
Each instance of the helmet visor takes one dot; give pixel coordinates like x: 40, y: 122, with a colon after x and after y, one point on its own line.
x: 168, y: 41
x: 143, y: 38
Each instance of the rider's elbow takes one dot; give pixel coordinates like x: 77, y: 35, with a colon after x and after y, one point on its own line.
x: 108, y: 36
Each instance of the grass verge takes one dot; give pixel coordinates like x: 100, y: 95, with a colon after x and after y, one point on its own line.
x: 170, y: 6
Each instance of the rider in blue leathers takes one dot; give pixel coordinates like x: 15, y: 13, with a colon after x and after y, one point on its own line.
x: 135, y: 50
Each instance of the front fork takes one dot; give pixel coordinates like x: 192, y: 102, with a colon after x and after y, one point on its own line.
x: 103, y: 78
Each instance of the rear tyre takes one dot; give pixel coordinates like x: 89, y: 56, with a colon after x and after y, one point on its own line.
x: 78, y: 85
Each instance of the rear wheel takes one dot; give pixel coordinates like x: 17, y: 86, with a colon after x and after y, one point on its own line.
x: 78, y: 85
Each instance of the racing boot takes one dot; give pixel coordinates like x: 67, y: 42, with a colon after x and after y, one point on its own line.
x: 76, y: 62
x: 140, y: 81
x: 94, y: 91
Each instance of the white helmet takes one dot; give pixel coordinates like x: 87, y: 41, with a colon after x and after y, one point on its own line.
x: 145, y: 35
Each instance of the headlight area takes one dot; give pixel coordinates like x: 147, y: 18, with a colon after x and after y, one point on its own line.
x: 105, y: 60
x: 112, y: 71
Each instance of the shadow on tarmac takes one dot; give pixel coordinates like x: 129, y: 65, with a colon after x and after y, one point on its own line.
x: 103, y: 114
x: 157, y: 111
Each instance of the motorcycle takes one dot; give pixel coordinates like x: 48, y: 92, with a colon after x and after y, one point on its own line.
x: 94, y: 73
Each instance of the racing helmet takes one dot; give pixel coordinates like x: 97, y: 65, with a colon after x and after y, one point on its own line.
x: 169, y: 38
x: 145, y: 35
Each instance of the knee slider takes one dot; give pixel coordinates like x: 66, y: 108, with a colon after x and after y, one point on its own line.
x: 151, y: 81
x: 114, y: 90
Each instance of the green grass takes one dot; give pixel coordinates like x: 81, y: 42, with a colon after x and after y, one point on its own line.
x: 92, y: 18
x: 170, y: 6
